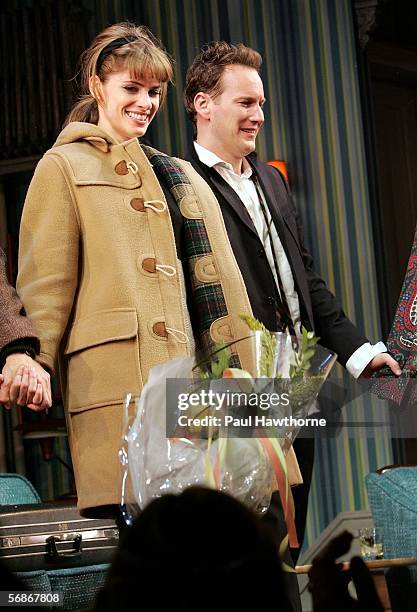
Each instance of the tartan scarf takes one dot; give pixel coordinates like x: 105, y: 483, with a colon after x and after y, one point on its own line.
x: 208, y: 299
x: 402, y: 341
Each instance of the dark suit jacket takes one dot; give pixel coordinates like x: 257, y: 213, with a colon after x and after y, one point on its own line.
x: 15, y: 330
x: 319, y: 308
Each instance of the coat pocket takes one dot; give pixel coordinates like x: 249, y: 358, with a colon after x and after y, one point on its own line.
x: 102, y: 359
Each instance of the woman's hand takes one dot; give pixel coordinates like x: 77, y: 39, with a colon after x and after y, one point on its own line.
x: 24, y: 382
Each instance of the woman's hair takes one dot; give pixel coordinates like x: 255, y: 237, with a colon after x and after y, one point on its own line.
x: 142, y: 54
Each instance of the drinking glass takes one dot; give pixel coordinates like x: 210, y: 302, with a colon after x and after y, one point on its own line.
x: 371, y: 543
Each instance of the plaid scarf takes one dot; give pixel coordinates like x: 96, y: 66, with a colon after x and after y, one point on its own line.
x: 208, y: 299
x: 208, y: 296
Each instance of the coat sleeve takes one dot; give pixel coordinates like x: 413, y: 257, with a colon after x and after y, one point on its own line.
x: 13, y: 325
x: 335, y: 329
x: 48, y: 254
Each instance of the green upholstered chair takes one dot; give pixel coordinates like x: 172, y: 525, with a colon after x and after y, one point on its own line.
x: 78, y: 585
x: 392, y: 496
x: 16, y: 489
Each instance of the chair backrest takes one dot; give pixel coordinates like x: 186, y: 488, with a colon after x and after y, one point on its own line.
x: 393, y: 501
x: 79, y: 585
x: 16, y: 489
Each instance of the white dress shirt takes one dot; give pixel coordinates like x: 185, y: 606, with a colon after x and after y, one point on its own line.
x: 245, y: 188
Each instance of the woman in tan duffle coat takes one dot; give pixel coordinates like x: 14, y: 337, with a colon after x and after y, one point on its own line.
x: 99, y: 272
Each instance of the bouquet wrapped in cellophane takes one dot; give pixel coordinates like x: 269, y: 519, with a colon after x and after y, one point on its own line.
x: 238, y: 448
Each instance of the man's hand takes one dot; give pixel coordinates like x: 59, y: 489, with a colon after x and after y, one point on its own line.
x: 381, y: 361
x: 23, y: 381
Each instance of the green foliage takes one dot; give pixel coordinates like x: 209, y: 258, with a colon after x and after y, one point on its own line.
x: 302, y: 386
x: 253, y: 323
x: 268, y: 343
x: 302, y: 357
x: 217, y: 362
x: 302, y: 389
x: 214, y: 365
x: 305, y: 354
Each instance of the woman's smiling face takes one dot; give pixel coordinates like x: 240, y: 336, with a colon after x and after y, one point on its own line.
x: 127, y: 105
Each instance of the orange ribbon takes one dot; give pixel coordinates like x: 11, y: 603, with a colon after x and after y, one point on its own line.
x: 284, y: 492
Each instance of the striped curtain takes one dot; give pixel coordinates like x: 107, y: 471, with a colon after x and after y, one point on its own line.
x: 313, y: 121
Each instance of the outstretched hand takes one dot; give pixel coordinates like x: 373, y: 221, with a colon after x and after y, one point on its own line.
x: 24, y: 382
x: 381, y: 361
x: 329, y: 583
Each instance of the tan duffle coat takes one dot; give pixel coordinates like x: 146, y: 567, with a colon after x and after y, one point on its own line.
x: 93, y: 214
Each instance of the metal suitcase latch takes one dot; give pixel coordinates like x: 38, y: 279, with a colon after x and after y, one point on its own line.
x: 54, y: 556
x: 10, y: 542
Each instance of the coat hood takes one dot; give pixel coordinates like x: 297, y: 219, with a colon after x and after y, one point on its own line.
x: 78, y: 131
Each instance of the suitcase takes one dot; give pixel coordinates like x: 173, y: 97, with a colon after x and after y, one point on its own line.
x: 51, y: 536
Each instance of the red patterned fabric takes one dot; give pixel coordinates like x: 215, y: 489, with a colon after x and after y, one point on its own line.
x: 402, y: 341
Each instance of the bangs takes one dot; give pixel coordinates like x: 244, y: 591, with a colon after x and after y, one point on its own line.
x: 141, y: 61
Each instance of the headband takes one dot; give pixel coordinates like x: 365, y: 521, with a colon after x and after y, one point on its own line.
x: 108, y: 49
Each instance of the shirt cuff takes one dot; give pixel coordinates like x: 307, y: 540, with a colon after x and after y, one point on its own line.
x: 358, y: 361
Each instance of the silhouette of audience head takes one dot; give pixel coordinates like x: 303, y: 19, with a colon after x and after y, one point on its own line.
x: 194, y: 549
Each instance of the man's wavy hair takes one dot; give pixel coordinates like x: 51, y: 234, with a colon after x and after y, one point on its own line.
x: 205, y: 73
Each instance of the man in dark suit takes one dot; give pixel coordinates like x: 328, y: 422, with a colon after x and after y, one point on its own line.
x: 224, y: 98
x: 22, y: 379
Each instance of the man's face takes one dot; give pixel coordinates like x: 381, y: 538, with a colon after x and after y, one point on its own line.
x: 236, y: 116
